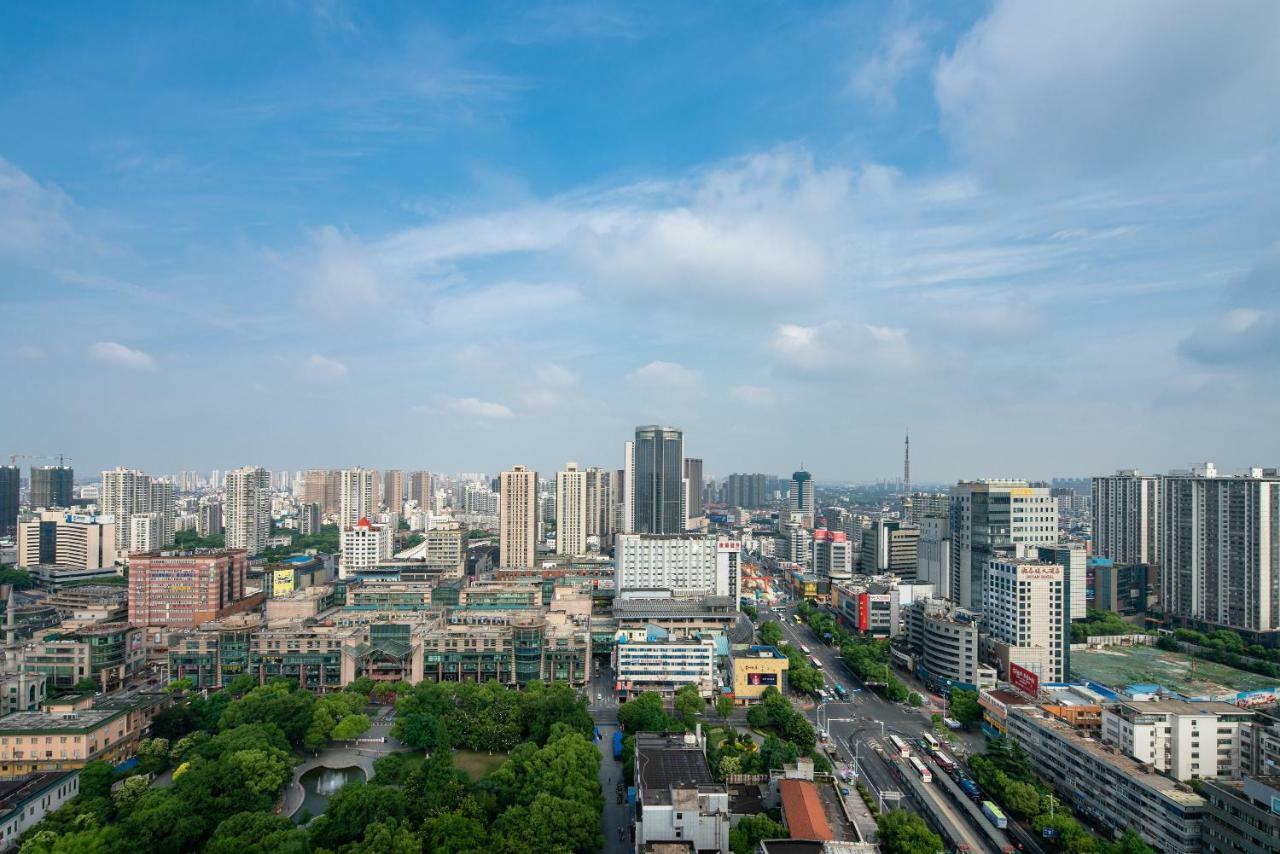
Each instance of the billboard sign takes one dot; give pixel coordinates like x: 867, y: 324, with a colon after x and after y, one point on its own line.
x: 1024, y: 680
x: 762, y: 679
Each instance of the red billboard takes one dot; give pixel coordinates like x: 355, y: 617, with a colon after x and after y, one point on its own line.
x: 1024, y: 680
x: 864, y: 612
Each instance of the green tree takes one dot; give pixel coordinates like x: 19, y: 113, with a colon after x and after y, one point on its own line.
x: 257, y: 833
x: 96, y: 778
x: 903, y: 832
x: 153, y: 755
x: 724, y: 707
x: 390, y: 770
x: 744, y: 838
x: 546, y: 704
x: 454, y: 833
x: 1129, y: 843
x: 963, y: 706
x: 914, y: 699
x: 180, y: 686
x: 129, y: 793
x: 351, y: 727
x: 277, y: 703
x: 351, y: 809
x: 770, y: 633
x: 86, y: 685
x: 644, y: 714
x: 688, y: 702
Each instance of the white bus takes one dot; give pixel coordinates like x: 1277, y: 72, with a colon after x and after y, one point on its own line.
x: 931, y: 743
x: 813, y: 659
x: 924, y: 772
x: 804, y: 649
x: 899, y: 746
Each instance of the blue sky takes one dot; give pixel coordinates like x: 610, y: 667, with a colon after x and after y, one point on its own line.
x: 1044, y: 237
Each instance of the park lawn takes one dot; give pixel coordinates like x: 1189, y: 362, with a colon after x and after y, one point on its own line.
x: 476, y: 764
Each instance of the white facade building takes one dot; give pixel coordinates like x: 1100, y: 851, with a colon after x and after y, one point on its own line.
x: 934, y: 563
x: 689, y: 565
x: 986, y: 514
x: 125, y: 492
x: 247, y: 512
x: 356, y: 496
x: 1024, y: 612
x: 363, y: 545
x: 665, y: 666
x: 82, y: 541
x: 1127, y: 517
x: 1183, y: 740
x: 571, y: 511
x: 144, y: 532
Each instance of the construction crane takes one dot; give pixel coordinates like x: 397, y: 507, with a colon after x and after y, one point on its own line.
x: 13, y: 458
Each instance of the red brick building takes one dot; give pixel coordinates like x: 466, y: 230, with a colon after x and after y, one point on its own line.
x: 185, y: 589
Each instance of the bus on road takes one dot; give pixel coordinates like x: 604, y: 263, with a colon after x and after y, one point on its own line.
x: 804, y: 649
x: 899, y: 746
x: 923, y: 771
x: 945, y: 762
x: 931, y: 743
x: 817, y: 665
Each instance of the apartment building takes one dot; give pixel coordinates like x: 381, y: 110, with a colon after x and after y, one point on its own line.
x: 67, y: 734
x: 67, y: 539
x: 1242, y: 817
x: 1128, y: 516
x: 1183, y: 740
x: 1110, y: 788
x: 363, y: 545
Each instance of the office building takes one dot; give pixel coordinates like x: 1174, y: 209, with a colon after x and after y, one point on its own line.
x: 755, y: 670
x: 944, y: 639
x: 801, y: 497
x: 51, y: 486
x: 832, y: 555
x: 797, y: 544
x: 693, y: 474
x: 67, y: 539
x: 10, y: 485
x: 626, y: 489
x: 889, y: 547
x: 571, y: 511
x: 1072, y: 558
x: 247, y: 516
x: 393, y: 490
x: 310, y: 518
x: 870, y: 606
x: 1242, y: 817
x: 1126, y: 590
x: 1024, y: 610
x: 1113, y: 790
x: 356, y: 497
x: 677, y: 798
x: 517, y: 518
x: 363, y: 545
x: 445, y: 551
x: 988, y: 514
x: 688, y: 565
x: 933, y: 564
x: 927, y: 504
x: 209, y: 519
x: 658, y: 486
x: 665, y: 666
x: 1221, y: 540
x: 1127, y: 517
x: 184, y: 589
x: 1181, y: 739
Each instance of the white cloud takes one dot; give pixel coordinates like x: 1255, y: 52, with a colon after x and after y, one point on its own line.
x: 472, y: 406
x: 506, y: 304
x: 112, y: 353
x: 1088, y: 87
x: 28, y: 353
x: 340, y: 277
x: 33, y: 217
x: 322, y: 368
x: 552, y: 385
x: 901, y: 50
x: 836, y: 347
x: 753, y: 395
x: 665, y: 375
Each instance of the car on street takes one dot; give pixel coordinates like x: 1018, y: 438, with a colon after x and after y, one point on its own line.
x: 844, y: 790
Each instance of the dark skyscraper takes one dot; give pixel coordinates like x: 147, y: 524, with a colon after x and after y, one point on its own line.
x: 659, y: 480
x: 9, y: 476
x: 51, y: 486
x: 693, y: 474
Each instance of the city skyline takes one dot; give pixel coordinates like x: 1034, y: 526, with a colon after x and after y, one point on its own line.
x: 901, y: 214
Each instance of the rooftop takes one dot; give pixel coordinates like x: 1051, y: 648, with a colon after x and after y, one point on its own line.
x: 669, y: 760
x: 14, y: 792
x: 802, y: 810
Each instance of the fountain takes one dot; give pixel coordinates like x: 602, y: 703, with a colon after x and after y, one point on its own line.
x: 320, y: 783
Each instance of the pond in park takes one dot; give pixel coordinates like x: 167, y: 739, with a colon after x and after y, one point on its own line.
x: 319, y: 784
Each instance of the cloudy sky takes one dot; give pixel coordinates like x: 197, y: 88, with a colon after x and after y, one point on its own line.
x: 1043, y: 237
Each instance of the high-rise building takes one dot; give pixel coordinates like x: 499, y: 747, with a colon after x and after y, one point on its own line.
x: 658, y: 489
x: 247, y: 515
x: 627, y: 481
x: 310, y: 518
x: 619, y: 501
x: 66, y: 539
x: 888, y: 546
x: 363, y: 545
x: 420, y: 490
x: 144, y: 532
x: 356, y: 496
x: 928, y: 504
x: 393, y: 490
x: 518, y: 518
x: 832, y: 555
x: 445, y: 550
x: 209, y: 519
x: 693, y: 474
x: 1072, y: 558
x: 801, y: 501
x: 571, y: 511
x: 128, y: 491
x: 1127, y: 515
x: 1024, y: 609
x: 745, y: 490
x: 933, y: 566
x: 51, y: 486
x: 689, y: 565
x: 987, y: 514
x: 183, y: 590
x: 1221, y: 548
x: 599, y: 504
x: 10, y: 482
